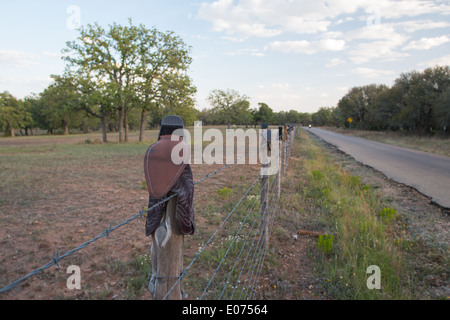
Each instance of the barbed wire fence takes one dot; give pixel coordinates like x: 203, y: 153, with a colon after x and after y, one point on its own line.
x: 241, y: 258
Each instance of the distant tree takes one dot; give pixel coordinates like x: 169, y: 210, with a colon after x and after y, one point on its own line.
x: 323, y: 117
x: 305, y: 118
x: 57, y: 106
x: 243, y: 114
x: 13, y: 114
x: 280, y: 117
x: 95, y: 96
x: 292, y: 116
x: 28, y: 103
x: 417, y: 102
x: 226, y: 103
x: 210, y: 117
x: 264, y: 114
x: 177, y: 97
x: 358, y: 104
x: 442, y: 111
x: 131, y: 65
x: 420, y: 92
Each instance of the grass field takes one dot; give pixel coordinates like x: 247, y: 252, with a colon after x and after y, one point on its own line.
x: 59, y: 191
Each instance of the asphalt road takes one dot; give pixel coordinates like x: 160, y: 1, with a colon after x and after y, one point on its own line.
x: 428, y: 173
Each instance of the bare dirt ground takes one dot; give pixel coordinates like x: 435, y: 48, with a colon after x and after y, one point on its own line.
x: 51, y: 209
x: 53, y: 204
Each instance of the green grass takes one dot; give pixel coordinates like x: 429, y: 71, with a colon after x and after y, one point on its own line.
x: 133, y: 273
x: 360, y: 229
x: 224, y: 192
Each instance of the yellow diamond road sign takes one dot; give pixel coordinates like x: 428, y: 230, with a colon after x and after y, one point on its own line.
x: 350, y: 120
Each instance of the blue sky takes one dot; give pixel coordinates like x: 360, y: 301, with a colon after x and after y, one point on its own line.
x: 290, y: 54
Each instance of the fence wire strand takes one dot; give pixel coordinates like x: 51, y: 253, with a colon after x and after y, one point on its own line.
x: 57, y: 259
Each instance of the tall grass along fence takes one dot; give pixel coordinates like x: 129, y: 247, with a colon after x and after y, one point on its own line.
x: 235, y: 263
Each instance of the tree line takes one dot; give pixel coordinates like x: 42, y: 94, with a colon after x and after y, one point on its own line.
x: 129, y: 77
x: 122, y: 78
x: 417, y: 102
x: 59, y: 107
x: 230, y: 107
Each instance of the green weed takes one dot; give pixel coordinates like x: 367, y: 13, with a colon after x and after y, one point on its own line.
x: 224, y: 192
x: 317, y: 175
x: 340, y: 204
x: 325, y: 243
x: 388, y: 213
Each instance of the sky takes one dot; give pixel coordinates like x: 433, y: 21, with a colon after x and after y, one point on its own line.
x: 290, y: 54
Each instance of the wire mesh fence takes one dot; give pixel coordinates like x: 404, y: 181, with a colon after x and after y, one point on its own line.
x: 236, y: 250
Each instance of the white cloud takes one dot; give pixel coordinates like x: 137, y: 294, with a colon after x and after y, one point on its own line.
x: 397, y: 9
x: 340, y: 21
x: 412, y: 26
x: 14, y: 58
x: 375, y: 42
x: 384, y: 28
x: 269, y: 18
x: 277, y: 95
x: 49, y: 54
x: 235, y: 19
x: 264, y: 18
x: 441, y: 61
x: 251, y: 52
x: 331, y: 35
x: 21, y: 86
x: 334, y: 62
x: 373, y: 73
x: 374, y: 32
x: 275, y: 87
x: 308, y: 47
x: 426, y: 43
x: 342, y: 89
x: 384, y: 50
x: 233, y: 39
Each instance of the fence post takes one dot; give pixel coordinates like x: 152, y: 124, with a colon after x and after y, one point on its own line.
x: 291, y: 140
x: 285, y: 155
x: 282, y: 154
x: 167, y: 256
x: 264, y: 185
x: 280, y: 166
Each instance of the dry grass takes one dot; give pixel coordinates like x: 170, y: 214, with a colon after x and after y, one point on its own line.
x: 59, y: 191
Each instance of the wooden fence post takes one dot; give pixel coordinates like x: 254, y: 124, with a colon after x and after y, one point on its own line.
x: 282, y: 153
x: 280, y: 166
x: 167, y: 256
x: 285, y: 149
x: 264, y: 196
x: 264, y: 203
